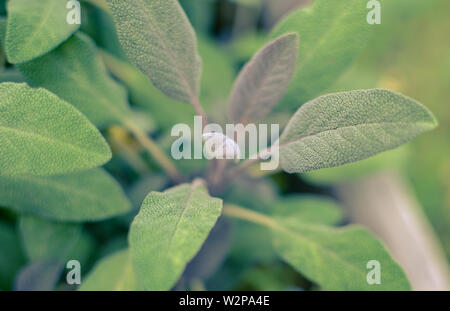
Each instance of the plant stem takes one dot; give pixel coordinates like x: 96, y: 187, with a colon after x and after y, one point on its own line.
x: 249, y: 215
x: 199, y: 110
x: 160, y: 157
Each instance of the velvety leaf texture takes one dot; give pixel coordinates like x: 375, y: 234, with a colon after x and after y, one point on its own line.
x: 156, y: 36
x: 75, y: 72
x: 349, y: 126
x: 35, y: 28
x: 168, y: 231
x: 336, y: 259
x: 84, y: 196
x: 264, y: 80
x: 41, y: 134
x: 332, y: 33
x: 114, y: 273
x: 48, y: 239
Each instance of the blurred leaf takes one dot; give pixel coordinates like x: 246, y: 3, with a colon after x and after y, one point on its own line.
x: 168, y: 232
x: 394, y: 159
x: 75, y: 73
x: 336, y: 259
x: 39, y: 275
x: 301, y: 209
x: 43, y: 135
x: 264, y: 80
x: 157, y: 36
x: 11, y: 256
x: 140, y: 189
x: 45, y: 239
x: 345, y: 127
x: 114, y: 273
x: 85, y: 196
x: 35, y: 28
x: 332, y: 33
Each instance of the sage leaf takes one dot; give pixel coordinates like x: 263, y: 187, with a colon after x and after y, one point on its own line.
x: 345, y: 127
x: 113, y: 273
x: 168, y: 232
x: 35, y: 28
x: 300, y: 209
x: 84, y: 196
x: 337, y: 258
x: 264, y: 80
x: 75, y: 72
x: 44, y: 239
x: 42, y: 135
x: 157, y: 37
x: 332, y: 34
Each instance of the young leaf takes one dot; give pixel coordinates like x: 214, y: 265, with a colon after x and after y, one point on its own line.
x: 43, y: 239
x: 75, y: 72
x: 35, y: 28
x: 156, y: 36
x: 344, y: 127
x: 114, y: 273
x: 84, y: 196
x: 332, y: 33
x: 42, y: 135
x: 168, y: 231
x: 264, y: 80
x: 336, y: 259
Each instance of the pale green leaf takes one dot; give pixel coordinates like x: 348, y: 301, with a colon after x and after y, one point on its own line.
x: 264, y: 80
x: 301, y: 209
x: 336, y: 259
x: 113, y: 273
x: 35, y: 28
x: 345, y: 127
x: 44, y: 239
x: 168, y: 232
x: 332, y: 33
x: 42, y: 135
x: 75, y: 72
x: 83, y: 196
x: 156, y: 36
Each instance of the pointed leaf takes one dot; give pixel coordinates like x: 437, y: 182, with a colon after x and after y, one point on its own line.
x: 168, y: 232
x: 157, y: 37
x: 114, y: 273
x: 84, y: 196
x: 344, y: 127
x: 41, y: 134
x: 332, y: 33
x: 35, y: 28
x: 75, y: 72
x: 264, y: 80
x: 44, y: 239
x: 336, y: 259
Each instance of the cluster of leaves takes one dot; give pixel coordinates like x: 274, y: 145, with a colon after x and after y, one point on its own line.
x: 51, y: 132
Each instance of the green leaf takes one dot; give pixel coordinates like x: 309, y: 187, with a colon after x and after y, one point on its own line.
x: 336, y: 259
x: 156, y: 36
x: 301, y: 209
x: 42, y: 275
x: 42, y: 135
x: 332, y: 33
x: 11, y: 256
x: 35, y: 28
x: 76, y: 73
x: 83, y: 196
x: 168, y: 232
x: 264, y: 80
x: 43, y: 239
x: 345, y: 127
x: 114, y: 273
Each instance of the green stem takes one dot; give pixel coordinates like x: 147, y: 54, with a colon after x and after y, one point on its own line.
x: 249, y: 215
x: 156, y: 152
